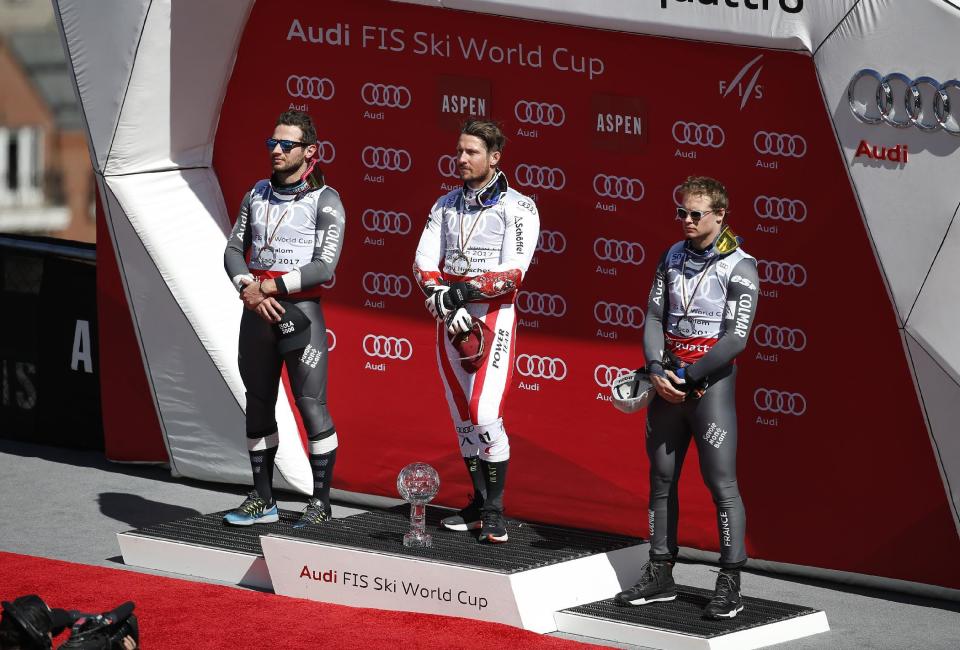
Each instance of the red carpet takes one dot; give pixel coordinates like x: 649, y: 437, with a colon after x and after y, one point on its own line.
x: 182, y: 614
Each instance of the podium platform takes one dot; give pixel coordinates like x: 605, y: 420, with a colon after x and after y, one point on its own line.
x: 360, y: 560
x: 544, y: 579
x: 678, y: 624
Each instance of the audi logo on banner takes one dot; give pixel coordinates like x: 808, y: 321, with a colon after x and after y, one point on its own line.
x: 387, y: 284
x: 385, y: 158
x: 551, y: 241
x: 617, y: 250
x: 541, y: 304
x: 537, y: 367
x: 326, y: 152
x: 772, y: 207
x: 385, y: 95
x: 331, y: 340
x: 310, y: 87
x: 612, y: 313
x: 778, y: 401
x: 540, y: 113
x: 780, y: 338
x: 447, y: 166
x: 701, y: 135
x: 618, y: 187
x: 791, y: 275
x: 882, y: 101
x: 779, y: 144
x: 387, y: 347
x: 606, y: 375
x: 539, y: 177
x: 332, y: 283
x: 678, y: 196
x: 386, y: 221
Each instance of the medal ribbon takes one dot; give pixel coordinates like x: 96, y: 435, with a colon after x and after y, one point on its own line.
x: 266, y: 224
x: 686, y: 304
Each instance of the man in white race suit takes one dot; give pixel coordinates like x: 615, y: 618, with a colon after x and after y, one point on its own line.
x: 484, y: 234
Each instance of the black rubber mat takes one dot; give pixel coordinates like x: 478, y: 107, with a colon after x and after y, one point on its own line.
x: 684, y: 615
x: 530, y: 545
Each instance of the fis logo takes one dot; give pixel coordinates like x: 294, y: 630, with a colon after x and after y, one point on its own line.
x: 744, y: 90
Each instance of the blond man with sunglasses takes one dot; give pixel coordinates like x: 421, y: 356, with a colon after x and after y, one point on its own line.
x: 700, y: 311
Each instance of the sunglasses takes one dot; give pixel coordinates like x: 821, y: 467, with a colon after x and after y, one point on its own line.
x: 285, y: 145
x: 696, y: 215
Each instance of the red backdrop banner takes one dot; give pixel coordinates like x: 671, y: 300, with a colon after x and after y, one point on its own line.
x: 602, y: 129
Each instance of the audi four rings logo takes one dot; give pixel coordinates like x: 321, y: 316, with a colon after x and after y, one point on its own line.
x: 616, y: 250
x: 394, y: 160
x: 611, y: 313
x: 386, y: 221
x: 779, y: 144
x: 882, y: 101
x: 678, y: 196
x: 385, y: 95
x: 618, y: 187
x: 387, y: 284
x: 387, y: 347
x: 791, y: 275
x: 777, y: 401
x: 551, y: 241
x: 701, y: 135
x: 544, y: 178
x: 332, y: 283
x: 447, y: 166
x: 331, y: 340
x: 532, y: 365
x: 772, y: 207
x: 606, y: 375
x: 310, y: 87
x: 539, y: 113
x: 780, y: 338
x: 326, y: 152
x: 541, y: 304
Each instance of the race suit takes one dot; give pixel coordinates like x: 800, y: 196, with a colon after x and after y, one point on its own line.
x: 294, y: 235
x: 702, y: 328
x: 499, y: 243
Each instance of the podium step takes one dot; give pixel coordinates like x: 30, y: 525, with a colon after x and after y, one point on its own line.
x: 361, y: 561
x: 678, y: 624
x: 203, y: 547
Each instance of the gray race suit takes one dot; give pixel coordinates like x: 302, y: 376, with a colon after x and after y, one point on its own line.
x: 304, y: 228
x: 703, y: 328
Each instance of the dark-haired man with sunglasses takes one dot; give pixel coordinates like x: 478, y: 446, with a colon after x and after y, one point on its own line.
x: 292, y: 226
x: 699, y: 315
x: 474, y: 252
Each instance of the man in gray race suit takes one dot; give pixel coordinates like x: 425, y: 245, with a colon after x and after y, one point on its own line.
x: 699, y: 315
x: 292, y: 226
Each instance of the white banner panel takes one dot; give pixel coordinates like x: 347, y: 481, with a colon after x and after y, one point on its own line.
x: 783, y: 24
x: 173, y: 99
x: 101, y: 66
x: 905, y: 177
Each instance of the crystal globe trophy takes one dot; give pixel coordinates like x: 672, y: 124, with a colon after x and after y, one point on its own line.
x: 418, y: 483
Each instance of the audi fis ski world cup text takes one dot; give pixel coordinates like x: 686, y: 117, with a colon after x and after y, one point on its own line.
x: 408, y: 588
x: 472, y: 49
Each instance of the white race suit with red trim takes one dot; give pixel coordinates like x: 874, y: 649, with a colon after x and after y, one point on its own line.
x: 485, y: 238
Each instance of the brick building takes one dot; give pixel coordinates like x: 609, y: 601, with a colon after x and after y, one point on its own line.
x: 46, y: 180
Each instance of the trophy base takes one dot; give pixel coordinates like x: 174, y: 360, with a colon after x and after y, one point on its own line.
x: 416, y: 539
